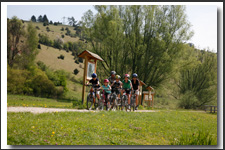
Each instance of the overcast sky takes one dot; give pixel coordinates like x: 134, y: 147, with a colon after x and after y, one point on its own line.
x: 202, y: 17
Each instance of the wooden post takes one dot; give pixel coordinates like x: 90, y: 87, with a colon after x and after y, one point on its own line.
x: 84, y: 79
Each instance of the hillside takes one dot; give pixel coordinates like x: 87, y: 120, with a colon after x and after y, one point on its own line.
x: 49, y: 56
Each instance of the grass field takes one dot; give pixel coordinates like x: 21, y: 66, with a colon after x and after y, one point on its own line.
x: 112, y: 128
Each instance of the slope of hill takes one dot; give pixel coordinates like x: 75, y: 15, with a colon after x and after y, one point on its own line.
x: 49, y: 56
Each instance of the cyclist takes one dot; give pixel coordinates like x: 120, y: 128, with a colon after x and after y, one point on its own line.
x: 112, y: 77
x: 115, y: 85
x: 94, y: 81
x: 135, y: 83
x: 127, y: 86
x: 107, y: 90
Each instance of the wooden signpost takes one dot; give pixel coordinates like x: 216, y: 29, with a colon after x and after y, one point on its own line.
x: 90, y: 66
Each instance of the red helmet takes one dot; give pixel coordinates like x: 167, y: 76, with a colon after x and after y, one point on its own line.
x: 106, y: 81
x: 127, y: 75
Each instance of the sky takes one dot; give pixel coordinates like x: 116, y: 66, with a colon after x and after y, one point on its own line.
x: 202, y: 17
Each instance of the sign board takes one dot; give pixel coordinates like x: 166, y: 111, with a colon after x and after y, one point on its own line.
x: 90, y: 65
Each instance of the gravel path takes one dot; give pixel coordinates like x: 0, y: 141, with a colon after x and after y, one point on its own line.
x: 47, y: 110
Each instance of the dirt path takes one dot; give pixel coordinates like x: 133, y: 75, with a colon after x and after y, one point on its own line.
x: 47, y: 110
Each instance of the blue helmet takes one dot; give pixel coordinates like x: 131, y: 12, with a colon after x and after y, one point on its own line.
x: 134, y: 75
x: 94, y: 75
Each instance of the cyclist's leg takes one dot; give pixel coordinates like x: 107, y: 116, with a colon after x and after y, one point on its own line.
x: 128, y: 95
x: 136, y: 93
x: 98, y: 94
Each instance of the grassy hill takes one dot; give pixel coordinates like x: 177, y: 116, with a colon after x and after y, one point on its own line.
x: 49, y: 56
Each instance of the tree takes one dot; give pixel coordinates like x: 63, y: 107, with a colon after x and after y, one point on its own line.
x: 15, y: 31
x: 45, y: 19
x: 33, y: 19
x: 29, y: 49
x: 130, y: 37
x: 72, y: 21
x: 40, y: 19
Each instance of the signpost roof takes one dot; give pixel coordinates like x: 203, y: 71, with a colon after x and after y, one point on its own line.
x: 90, y: 54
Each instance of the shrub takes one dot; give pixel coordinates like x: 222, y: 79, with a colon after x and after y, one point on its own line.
x: 80, y: 60
x: 62, y: 36
x: 61, y: 57
x: 47, y: 29
x: 76, y: 71
x: 188, y: 100
x: 44, y: 24
x: 62, y: 29
x: 76, y: 61
x: 43, y: 87
x: 37, y: 27
x: 55, y: 23
x: 42, y: 66
x: 16, y: 81
x: 39, y: 46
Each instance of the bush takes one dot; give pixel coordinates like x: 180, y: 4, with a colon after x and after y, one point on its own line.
x: 62, y: 36
x: 188, y: 101
x: 80, y: 60
x: 47, y: 29
x: 37, y: 27
x: 42, y: 66
x: 44, y: 24
x: 76, y: 61
x: 17, y: 81
x: 76, y: 71
x: 62, y: 29
x: 55, y: 23
x: 61, y: 57
x: 43, y: 87
x: 39, y: 46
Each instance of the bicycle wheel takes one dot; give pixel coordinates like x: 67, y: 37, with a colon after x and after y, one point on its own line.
x: 89, y: 102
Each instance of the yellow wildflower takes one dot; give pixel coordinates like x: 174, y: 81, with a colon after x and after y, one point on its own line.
x: 53, y: 132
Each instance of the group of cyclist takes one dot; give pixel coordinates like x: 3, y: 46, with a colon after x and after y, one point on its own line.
x: 113, y: 84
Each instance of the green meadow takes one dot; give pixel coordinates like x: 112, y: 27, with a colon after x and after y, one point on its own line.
x: 112, y: 128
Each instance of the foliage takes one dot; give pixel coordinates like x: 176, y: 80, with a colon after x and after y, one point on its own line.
x: 15, y: 31
x: 76, y: 71
x: 58, y: 43
x: 201, y: 80
x: 44, y: 39
x: 40, y: 18
x: 128, y: 37
x: 61, y: 57
x: 33, y: 19
x: 72, y: 21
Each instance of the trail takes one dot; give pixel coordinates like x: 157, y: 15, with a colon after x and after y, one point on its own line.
x: 37, y: 110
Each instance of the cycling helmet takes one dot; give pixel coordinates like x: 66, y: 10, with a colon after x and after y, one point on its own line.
x: 113, y: 72
x: 118, y: 77
x: 106, y: 81
x: 94, y: 75
x: 127, y: 75
x: 134, y: 75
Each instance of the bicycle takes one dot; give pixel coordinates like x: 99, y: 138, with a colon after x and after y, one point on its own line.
x: 114, y: 99
x: 103, y: 102
x: 91, y: 97
x: 133, y: 100
x: 124, y: 101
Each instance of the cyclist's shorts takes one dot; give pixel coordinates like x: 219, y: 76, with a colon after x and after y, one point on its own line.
x: 116, y: 91
x: 128, y: 91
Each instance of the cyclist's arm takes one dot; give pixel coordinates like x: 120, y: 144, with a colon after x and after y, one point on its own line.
x: 131, y: 86
x: 112, y: 84
x: 97, y: 83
